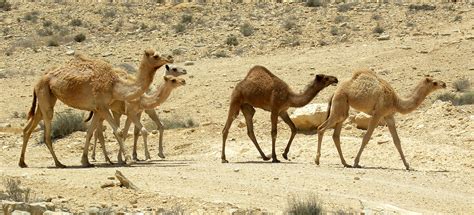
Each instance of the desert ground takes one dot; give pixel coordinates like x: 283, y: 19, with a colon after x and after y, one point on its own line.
x: 402, y: 44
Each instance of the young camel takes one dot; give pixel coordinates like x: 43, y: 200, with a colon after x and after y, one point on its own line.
x: 118, y: 109
x: 87, y: 84
x: 264, y: 90
x: 370, y: 94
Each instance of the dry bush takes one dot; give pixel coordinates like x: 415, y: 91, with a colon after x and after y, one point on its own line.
x: 340, y: 19
x: 345, y: 7
x: 422, y: 7
x: 290, y: 23
x: 298, y: 206
x: 378, y: 29
x: 80, y: 37
x: 186, y: 18
x: 291, y: 41
x: 334, y: 30
x: 65, y: 123
x: 179, y: 28
x: 462, y: 85
x: 44, y: 32
x: 47, y: 23
x: 109, y: 13
x: 53, y: 42
x: 173, y: 123
x: 465, y: 98
x: 15, y: 192
x: 5, y: 6
x: 314, y: 3
x: 75, y: 22
x: 31, y: 16
x: 232, y: 40
x: 247, y: 29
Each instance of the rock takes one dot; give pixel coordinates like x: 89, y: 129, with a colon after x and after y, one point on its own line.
x: 383, y: 37
x: 405, y: 47
x: 5, y: 125
x: 361, y: 120
x: 133, y: 201
x: 356, y: 178
x: 70, y: 52
x: 93, y: 211
x: 33, y: 208
x: 188, y: 63
x: 236, y: 170
x: 107, y: 184
x: 17, y: 212
x: 310, y: 116
x: 106, y: 54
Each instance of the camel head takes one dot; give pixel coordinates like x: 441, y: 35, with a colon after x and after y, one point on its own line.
x: 174, y: 82
x: 325, y: 80
x: 433, y: 84
x: 154, y: 60
x: 174, y: 70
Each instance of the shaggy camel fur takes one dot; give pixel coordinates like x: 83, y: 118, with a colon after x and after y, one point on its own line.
x: 262, y: 89
x: 119, y: 108
x: 370, y: 94
x: 87, y: 84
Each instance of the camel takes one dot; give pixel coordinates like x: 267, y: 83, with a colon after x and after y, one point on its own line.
x: 119, y: 108
x: 262, y: 89
x: 370, y: 94
x: 87, y: 84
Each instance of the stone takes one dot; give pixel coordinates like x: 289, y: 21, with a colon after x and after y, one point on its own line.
x: 17, y: 212
x: 383, y: 37
x: 107, y: 184
x: 70, y: 52
x: 310, y: 116
x: 106, y: 54
x: 236, y: 170
x: 361, y: 120
x: 5, y: 125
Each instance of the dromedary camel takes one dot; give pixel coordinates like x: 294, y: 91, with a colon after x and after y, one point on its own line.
x: 118, y: 109
x: 370, y: 94
x: 87, y: 84
x: 133, y: 110
x: 264, y: 90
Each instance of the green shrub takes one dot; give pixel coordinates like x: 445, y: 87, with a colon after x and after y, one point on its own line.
x: 65, y: 123
x: 232, y: 40
x: 80, y: 37
x: 247, y: 29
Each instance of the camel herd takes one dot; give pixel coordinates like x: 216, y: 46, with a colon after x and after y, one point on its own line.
x: 96, y: 86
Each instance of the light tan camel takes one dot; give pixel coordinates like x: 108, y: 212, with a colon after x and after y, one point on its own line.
x: 118, y: 109
x: 87, y: 84
x: 133, y: 110
x: 264, y: 90
x: 370, y: 94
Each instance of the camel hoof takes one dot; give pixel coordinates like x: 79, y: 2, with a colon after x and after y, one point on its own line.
x: 161, y: 155
x: 147, y: 158
x: 285, y: 155
x: 22, y: 164
x: 316, y: 162
x: 348, y: 166
x: 60, y: 165
x: 265, y: 158
x: 87, y: 165
x: 274, y: 160
x: 224, y: 161
x: 356, y: 166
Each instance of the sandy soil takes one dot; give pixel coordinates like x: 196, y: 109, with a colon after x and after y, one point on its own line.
x: 438, y: 138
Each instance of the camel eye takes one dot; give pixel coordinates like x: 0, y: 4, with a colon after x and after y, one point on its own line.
x: 174, y: 69
x: 156, y: 56
x: 174, y: 81
x: 435, y: 83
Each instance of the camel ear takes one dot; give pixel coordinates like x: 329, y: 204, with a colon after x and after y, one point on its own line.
x: 428, y: 80
x: 149, y: 52
x: 319, y: 77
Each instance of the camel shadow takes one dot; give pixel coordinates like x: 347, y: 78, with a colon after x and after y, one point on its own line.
x: 263, y: 162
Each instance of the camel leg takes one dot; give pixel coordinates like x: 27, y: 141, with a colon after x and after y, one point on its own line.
x: 274, y: 120
x: 233, y: 113
x: 90, y: 131
x: 139, y: 128
x: 336, y: 136
x: 123, y: 134
x: 154, y: 116
x: 99, y: 133
x: 248, y: 111
x: 390, y: 120
x: 136, y: 133
x: 29, y: 128
x: 117, y: 132
x: 94, y: 146
x: 290, y: 123
x: 372, y: 125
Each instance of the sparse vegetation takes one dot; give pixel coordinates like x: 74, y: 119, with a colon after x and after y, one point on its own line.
x: 345, y: 7
x: 47, y: 23
x: 109, y: 13
x: 291, y: 41
x: 232, y: 40
x: 376, y: 17
x: 15, y: 192
x: 290, y: 23
x: 31, y: 16
x: 340, y: 19
x: 53, y: 41
x: 334, y: 30
x: 247, y: 29
x: 186, y: 18
x: 308, y: 206
x: 465, y: 98
x: 76, y: 22
x: 458, y: 18
x: 80, y: 37
x: 378, y: 29
x: 462, y: 85
x: 5, y: 6
x: 65, y: 123
x: 424, y: 7
x: 314, y: 3
x: 221, y: 54
x: 179, y: 28
x: 44, y: 32
x: 173, y: 123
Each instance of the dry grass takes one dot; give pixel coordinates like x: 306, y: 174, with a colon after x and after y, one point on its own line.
x: 232, y: 40
x: 15, y: 192
x: 65, y: 123
x: 308, y: 206
x: 247, y: 29
x: 462, y: 85
x: 422, y: 7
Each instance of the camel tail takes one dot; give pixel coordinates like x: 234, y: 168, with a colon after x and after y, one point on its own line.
x: 89, y: 117
x: 33, y: 106
x: 329, y: 106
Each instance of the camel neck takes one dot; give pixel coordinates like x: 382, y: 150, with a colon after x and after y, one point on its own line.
x: 407, y: 105
x: 126, y: 91
x: 153, y: 100
x: 302, y: 99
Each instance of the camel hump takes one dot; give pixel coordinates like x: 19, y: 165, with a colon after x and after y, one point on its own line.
x: 259, y: 71
x: 362, y: 71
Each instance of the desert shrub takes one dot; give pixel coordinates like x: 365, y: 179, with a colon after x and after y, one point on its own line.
x: 378, y: 29
x: 462, y: 85
x: 345, y: 7
x: 80, y: 37
x: 290, y: 23
x: 298, y: 206
x: 109, y: 13
x: 16, y: 114
x: 31, y: 16
x: 340, y: 19
x: 465, y: 98
x: 186, y: 18
x: 232, y: 40
x: 177, y: 51
x: 425, y: 7
x: 173, y: 123
x: 291, y: 41
x: 457, y: 18
x: 179, y: 28
x: 129, y: 68
x: 221, y: 54
x: 47, y: 23
x: 53, y: 41
x: 314, y: 3
x: 75, y: 22
x: 334, y: 30
x: 247, y: 29
x: 65, y: 123
x: 143, y: 26
x: 15, y: 192
x: 376, y: 17
x: 5, y: 6
x: 44, y: 32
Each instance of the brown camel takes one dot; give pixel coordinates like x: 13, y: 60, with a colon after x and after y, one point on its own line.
x: 118, y: 109
x: 133, y: 110
x: 264, y: 90
x: 370, y: 94
x: 87, y: 84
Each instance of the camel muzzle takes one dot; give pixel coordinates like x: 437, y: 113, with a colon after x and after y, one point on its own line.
x: 335, y: 82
